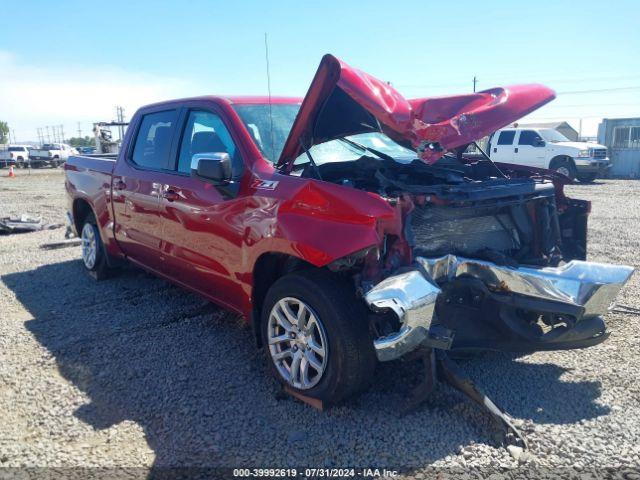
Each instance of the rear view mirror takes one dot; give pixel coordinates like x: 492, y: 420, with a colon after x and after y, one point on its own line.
x: 539, y: 142
x: 214, y: 167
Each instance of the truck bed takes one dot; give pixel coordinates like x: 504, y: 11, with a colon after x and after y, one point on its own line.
x: 89, y: 178
x: 97, y: 161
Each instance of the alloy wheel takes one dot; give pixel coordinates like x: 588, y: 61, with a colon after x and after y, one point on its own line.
x: 89, y: 246
x: 297, y: 343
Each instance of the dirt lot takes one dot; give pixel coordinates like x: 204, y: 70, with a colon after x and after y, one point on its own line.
x: 136, y: 372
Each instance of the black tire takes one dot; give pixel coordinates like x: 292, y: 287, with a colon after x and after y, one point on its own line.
x: 99, y: 269
x: 351, y: 359
x: 587, y: 177
x: 565, y: 166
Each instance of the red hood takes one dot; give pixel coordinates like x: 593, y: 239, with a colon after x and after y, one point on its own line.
x: 343, y: 100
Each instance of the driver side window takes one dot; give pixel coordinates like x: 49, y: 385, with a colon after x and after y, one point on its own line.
x: 206, y: 133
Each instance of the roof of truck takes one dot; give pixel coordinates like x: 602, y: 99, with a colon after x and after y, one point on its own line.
x: 233, y: 99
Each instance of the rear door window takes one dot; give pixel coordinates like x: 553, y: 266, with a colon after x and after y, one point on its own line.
x: 529, y: 137
x: 153, y: 143
x: 506, y: 137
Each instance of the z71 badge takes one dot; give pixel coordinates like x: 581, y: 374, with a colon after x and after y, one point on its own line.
x: 265, y: 184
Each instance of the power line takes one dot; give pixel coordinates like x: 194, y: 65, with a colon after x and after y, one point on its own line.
x: 598, y: 90
x: 590, y: 105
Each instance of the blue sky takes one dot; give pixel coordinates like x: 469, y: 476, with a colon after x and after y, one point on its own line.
x: 74, y: 61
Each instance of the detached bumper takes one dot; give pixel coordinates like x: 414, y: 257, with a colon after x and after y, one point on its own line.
x: 588, y: 288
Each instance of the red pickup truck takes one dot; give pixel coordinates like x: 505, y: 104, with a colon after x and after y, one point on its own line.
x: 349, y: 227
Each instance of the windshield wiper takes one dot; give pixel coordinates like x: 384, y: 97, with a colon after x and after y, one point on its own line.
x: 377, y: 153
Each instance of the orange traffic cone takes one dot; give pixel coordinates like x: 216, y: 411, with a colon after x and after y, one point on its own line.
x: 11, y: 174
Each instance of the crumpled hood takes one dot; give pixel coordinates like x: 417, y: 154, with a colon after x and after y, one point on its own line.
x: 343, y: 100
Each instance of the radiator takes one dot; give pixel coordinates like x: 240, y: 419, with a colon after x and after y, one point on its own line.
x: 462, y: 231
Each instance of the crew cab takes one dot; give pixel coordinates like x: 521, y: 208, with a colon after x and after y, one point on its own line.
x: 548, y: 148
x: 53, y: 154
x: 348, y: 227
x: 14, y: 155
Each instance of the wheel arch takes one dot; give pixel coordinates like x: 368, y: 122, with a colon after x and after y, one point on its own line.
x: 269, y: 267
x: 561, y: 158
x: 80, y: 209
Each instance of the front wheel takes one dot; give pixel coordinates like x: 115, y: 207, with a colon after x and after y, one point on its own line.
x: 316, y: 336
x: 565, y: 167
x: 587, y: 177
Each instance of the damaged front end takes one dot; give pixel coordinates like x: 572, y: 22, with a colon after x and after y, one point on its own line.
x: 479, y: 255
x: 483, y: 305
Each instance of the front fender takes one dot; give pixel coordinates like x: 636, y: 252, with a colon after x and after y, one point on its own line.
x: 325, y: 222
x: 322, y: 222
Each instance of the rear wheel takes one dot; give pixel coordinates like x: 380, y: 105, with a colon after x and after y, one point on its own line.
x: 587, y: 177
x: 316, y: 336
x: 564, y: 166
x: 94, y: 256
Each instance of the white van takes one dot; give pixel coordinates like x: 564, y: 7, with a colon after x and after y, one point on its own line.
x: 548, y: 148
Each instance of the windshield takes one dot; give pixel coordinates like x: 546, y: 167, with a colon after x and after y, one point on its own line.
x: 258, y: 120
x: 373, y: 144
x: 553, y: 136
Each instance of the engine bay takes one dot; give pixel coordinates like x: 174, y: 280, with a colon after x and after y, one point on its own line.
x: 460, y: 208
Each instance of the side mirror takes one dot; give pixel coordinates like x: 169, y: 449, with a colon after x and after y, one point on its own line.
x: 539, y: 143
x: 213, y: 167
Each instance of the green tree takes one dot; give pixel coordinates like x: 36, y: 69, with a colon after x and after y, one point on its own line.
x: 4, y: 132
x: 85, y: 141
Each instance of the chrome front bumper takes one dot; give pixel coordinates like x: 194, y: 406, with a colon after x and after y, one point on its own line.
x: 590, y: 286
x: 592, y: 164
x: 413, y: 299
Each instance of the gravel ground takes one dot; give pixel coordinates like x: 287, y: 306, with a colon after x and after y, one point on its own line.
x: 136, y: 372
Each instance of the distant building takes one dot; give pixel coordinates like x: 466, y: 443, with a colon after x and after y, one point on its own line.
x: 622, y: 139
x: 563, y: 127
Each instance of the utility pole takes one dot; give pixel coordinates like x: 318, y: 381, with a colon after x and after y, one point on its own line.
x: 61, y: 133
x: 79, y: 131
x: 14, y: 136
x: 48, y: 135
x: 120, y: 118
x: 475, y: 80
x: 580, y: 131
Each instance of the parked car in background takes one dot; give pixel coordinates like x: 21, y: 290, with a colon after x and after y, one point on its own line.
x: 51, y: 154
x: 548, y: 148
x: 14, y: 155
